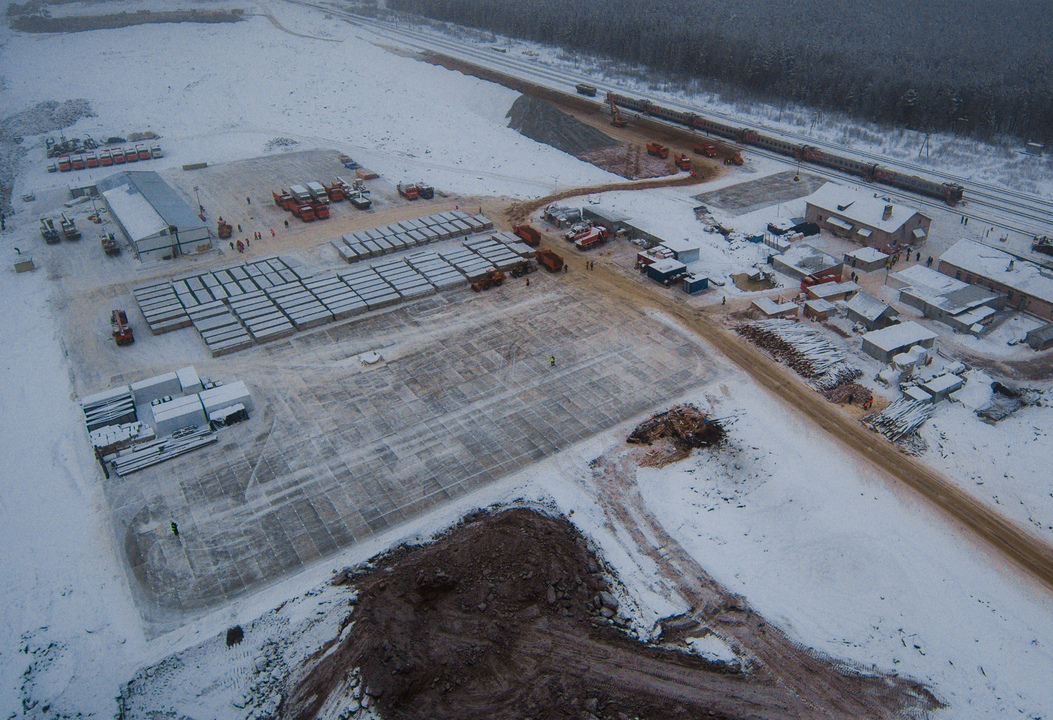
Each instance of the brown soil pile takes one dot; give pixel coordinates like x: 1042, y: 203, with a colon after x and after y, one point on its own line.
x: 628, y: 160
x: 683, y: 428
x: 544, y: 122
x: 508, y: 616
x: 849, y: 394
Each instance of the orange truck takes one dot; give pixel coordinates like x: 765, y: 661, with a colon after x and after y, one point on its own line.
x: 592, y: 239
x: 527, y: 234
x: 683, y: 162
x: 549, y: 260
x: 707, y: 150
x: 657, y: 149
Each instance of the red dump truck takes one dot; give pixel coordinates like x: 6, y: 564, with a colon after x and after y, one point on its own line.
x: 549, y: 260
x: 527, y: 234
x: 592, y: 239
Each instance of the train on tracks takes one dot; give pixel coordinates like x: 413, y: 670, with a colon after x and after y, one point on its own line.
x: 950, y: 193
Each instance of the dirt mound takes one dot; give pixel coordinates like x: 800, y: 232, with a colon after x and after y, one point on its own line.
x: 628, y: 160
x: 509, y: 616
x: 544, y: 122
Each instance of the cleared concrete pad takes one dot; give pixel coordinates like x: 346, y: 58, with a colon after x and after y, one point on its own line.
x: 337, y: 451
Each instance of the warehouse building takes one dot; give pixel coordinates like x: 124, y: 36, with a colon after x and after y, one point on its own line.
x: 159, y: 224
x: 1027, y: 285
x: 965, y: 307
x: 803, y: 259
x: 868, y: 220
x: 887, y: 343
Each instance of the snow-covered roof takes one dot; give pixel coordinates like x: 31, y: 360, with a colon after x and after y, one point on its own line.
x: 770, y: 307
x: 134, y: 212
x: 145, y: 204
x: 867, y: 306
x: 919, y: 275
x: 899, y: 336
x: 683, y: 245
x: 867, y: 254
x: 860, y: 208
x: 1001, y: 267
x: 808, y: 258
x: 668, y: 265
x: 943, y: 383
x: 819, y: 305
x: 826, y: 290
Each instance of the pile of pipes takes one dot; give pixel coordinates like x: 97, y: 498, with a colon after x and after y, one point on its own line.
x: 146, y: 454
x: 109, y: 408
x: 805, y: 350
x: 901, y: 420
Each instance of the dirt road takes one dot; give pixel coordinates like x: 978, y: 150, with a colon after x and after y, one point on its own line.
x: 1010, y: 540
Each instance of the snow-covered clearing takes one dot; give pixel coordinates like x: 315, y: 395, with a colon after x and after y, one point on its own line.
x: 823, y: 547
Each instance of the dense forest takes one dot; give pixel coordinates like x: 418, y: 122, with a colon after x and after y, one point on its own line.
x: 977, y: 67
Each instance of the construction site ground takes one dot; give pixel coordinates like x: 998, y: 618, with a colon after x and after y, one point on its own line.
x: 746, y: 197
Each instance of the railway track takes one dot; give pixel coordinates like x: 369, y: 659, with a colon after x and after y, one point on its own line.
x: 1004, y: 208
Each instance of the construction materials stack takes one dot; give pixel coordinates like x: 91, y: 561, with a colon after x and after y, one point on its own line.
x: 407, y: 234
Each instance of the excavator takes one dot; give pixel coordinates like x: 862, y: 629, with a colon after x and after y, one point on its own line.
x: 616, y: 115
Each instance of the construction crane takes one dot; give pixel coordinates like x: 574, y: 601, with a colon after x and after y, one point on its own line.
x: 616, y: 115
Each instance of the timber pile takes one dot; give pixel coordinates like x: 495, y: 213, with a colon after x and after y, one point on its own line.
x: 901, y: 420
x: 684, y: 427
x: 849, y: 394
x: 804, y: 350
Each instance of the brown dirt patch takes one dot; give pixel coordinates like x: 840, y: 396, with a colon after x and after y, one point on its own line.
x: 674, y: 433
x: 83, y: 23
x: 506, y: 616
x: 628, y: 160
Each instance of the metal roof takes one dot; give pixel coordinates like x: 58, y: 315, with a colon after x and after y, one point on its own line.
x: 168, y: 205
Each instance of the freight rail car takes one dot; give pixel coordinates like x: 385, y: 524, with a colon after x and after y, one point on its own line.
x: 950, y: 193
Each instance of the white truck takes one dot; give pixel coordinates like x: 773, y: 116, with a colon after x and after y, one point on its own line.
x: 318, y: 192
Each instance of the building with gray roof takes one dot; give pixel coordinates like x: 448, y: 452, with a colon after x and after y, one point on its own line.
x: 158, y: 222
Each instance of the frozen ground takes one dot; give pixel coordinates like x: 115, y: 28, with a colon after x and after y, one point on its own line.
x: 820, y: 545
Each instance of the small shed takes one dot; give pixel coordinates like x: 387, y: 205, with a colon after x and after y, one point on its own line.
x: 916, y: 394
x: 942, y: 386
x: 869, y: 311
x: 884, y: 344
x: 664, y: 270
x: 833, y: 291
x: 23, y: 263
x: 818, y: 309
x: 866, y: 259
x: 1040, y: 338
x: 771, y: 309
x: 694, y: 283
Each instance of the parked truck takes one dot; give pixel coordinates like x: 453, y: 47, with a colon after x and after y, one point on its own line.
x: 682, y: 162
x: 69, y: 228
x: 657, y: 149
x: 122, y: 331
x: 283, y: 200
x: 527, y: 234
x: 425, y: 192
x: 407, y: 191
x: 592, y: 239
x: 318, y: 193
x: 48, y: 231
x: 549, y: 260
x: 705, y: 149
x: 300, y: 194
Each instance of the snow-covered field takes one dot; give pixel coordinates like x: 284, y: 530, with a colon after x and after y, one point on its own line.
x: 825, y: 548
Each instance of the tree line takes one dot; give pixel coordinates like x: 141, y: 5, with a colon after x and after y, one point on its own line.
x: 974, y: 67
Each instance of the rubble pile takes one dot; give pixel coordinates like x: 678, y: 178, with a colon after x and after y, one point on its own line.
x: 685, y: 427
x: 804, y: 350
x: 850, y: 394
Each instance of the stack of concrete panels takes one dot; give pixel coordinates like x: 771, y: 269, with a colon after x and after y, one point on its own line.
x: 220, y: 330
x: 407, y: 234
x: 406, y: 281
x: 336, y: 296
x: 182, y: 412
x: 435, y: 270
x: 112, y: 407
x: 469, y: 264
x: 374, y: 290
x: 514, y: 243
x: 500, y: 255
x: 189, y: 381
x: 161, y: 308
x: 262, y: 318
x: 299, y: 305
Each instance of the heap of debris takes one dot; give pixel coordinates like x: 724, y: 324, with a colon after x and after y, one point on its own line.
x: 1005, y: 401
x: 685, y: 427
x: 850, y: 394
x: 805, y: 350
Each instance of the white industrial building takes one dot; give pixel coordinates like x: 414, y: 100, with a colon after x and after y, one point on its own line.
x: 158, y: 222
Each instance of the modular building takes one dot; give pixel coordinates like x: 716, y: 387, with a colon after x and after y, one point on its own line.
x: 666, y: 269
x: 869, y: 311
x: 866, y: 259
x: 771, y: 309
x: 866, y: 219
x: 818, y: 309
x: 158, y: 223
x: 832, y: 291
x: 695, y: 283
x: 885, y: 344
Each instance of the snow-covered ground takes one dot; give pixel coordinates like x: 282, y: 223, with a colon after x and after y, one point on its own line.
x: 823, y: 547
